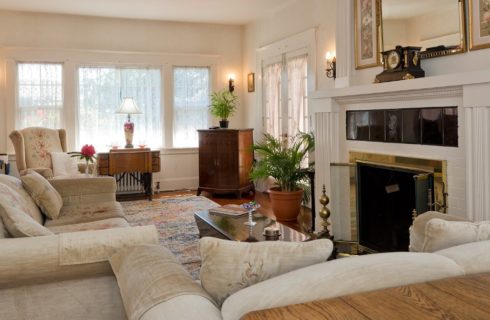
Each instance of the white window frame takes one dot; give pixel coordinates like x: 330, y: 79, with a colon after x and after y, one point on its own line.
x: 14, y: 66
x: 169, y: 98
x: 116, y: 66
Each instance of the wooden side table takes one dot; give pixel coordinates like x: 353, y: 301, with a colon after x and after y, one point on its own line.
x: 128, y: 162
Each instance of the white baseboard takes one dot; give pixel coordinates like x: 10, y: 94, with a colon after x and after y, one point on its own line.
x: 176, y: 183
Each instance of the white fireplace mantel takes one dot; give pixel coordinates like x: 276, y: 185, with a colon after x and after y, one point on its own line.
x: 471, y: 90
x: 407, y: 89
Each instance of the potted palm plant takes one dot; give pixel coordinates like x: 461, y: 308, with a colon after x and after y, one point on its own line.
x: 282, y: 159
x: 223, y: 105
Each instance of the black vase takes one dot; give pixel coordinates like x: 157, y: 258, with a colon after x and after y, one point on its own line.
x: 223, y: 124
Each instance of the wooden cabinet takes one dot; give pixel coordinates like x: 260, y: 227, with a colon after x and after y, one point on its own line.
x: 225, y: 161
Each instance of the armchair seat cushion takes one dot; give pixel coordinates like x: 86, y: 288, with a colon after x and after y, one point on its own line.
x: 86, y: 212
x: 93, y: 225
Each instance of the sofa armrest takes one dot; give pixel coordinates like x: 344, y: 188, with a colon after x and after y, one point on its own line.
x: 85, y: 189
x: 51, y: 258
x: 45, y: 172
x: 417, y: 230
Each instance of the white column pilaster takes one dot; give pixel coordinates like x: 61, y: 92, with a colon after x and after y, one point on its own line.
x: 477, y: 140
x: 327, y: 147
x: 344, y: 43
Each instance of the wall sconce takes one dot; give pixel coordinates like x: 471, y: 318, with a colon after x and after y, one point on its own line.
x: 231, y: 82
x: 331, y: 65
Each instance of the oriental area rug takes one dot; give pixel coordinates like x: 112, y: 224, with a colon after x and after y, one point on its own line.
x: 174, y: 219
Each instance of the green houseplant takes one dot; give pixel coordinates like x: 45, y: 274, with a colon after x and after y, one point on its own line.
x: 223, y: 105
x: 282, y: 159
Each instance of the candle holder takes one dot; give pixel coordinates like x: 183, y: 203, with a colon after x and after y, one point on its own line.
x: 251, y: 207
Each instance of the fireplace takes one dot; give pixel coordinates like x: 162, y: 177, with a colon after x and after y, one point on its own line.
x: 386, y: 199
x: 374, y: 197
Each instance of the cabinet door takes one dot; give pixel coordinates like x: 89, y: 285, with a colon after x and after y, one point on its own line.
x: 227, y: 160
x: 208, y: 171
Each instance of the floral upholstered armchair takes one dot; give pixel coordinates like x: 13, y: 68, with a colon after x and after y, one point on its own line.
x: 33, y: 147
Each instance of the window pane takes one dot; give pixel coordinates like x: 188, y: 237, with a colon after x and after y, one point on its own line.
x: 297, y: 95
x: 190, y: 107
x: 101, y: 91
x: 40, y: 95
x: 272, y: 99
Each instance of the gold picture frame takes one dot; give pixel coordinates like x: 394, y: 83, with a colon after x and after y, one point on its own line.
x: 251, y: 82
x: 366, y: 30
x: 479, y: 21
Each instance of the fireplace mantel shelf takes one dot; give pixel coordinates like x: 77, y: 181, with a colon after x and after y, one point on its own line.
x: 443, y: 85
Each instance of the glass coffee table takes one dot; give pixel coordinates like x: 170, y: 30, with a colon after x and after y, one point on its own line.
x: 234, y: 228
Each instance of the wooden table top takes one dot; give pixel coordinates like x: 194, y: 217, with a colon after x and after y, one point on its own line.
x: 465, y: 298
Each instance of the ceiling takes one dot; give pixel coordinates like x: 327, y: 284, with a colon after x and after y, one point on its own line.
x: 209, y: 11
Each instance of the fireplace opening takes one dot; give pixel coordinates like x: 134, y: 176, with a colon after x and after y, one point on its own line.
x: 386, y: 199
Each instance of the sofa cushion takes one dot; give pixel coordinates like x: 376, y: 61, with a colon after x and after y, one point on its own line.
x: 43, y: 193
x: 93, y: 225
x: 64, y: 164
x: 23, y: 198
x: 86, y: 212
x: 441, y: 234
x: 77, y: 299
x: 229, y: 266
x: 472, y: 257
x: 417, y: 230
x: 148, y: 275
x: 338, y: 278
x: 179, y: 308
x: 13, y: 212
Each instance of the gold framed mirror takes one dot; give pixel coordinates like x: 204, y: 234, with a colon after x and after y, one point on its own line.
x: 438, y: 26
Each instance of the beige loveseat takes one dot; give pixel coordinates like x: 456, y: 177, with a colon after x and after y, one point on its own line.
x: 98, y: 297
x: 87, y: 204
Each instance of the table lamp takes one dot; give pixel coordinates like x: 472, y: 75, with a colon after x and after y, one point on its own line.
x: 129, y: 107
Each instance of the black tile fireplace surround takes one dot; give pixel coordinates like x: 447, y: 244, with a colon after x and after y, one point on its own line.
x: 427, y: 126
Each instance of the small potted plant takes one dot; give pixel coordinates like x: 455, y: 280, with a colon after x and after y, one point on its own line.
x: 282, y: 159
x: 223, y: 105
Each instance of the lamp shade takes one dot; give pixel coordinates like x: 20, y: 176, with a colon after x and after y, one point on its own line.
x: 128, y: 106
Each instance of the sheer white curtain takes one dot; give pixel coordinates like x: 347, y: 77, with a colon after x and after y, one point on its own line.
x: 101, y: 91
x: 271, y: 75
x: 297, y: 95
x: 39, y: 95
x: 190, y: 104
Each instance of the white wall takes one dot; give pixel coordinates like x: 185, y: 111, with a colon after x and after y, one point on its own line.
x: 296, y: 17
x: 75, y: 40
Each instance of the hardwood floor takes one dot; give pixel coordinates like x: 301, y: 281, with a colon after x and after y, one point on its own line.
x: 304, y: 219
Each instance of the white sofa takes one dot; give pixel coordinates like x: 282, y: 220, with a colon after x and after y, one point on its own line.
x: 94, y: 294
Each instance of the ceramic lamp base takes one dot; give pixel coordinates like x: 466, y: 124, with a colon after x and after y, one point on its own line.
x: 128, y: 134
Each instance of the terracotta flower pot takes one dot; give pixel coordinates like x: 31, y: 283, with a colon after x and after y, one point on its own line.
x: 285, y: 205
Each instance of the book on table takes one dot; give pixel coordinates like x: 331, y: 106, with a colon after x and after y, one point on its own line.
x: 229, y: 209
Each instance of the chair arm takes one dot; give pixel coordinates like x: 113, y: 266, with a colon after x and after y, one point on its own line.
x: 54, y: 258
x: 85, y: 189
x: 417, y: 230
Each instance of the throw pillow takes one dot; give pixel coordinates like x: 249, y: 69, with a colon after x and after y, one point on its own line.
x: 441, y: 234
x: 43, y: 193
x: 20, y: 224
x: 229, y: 266
x: 148, y: 275
x: 63, y: 164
